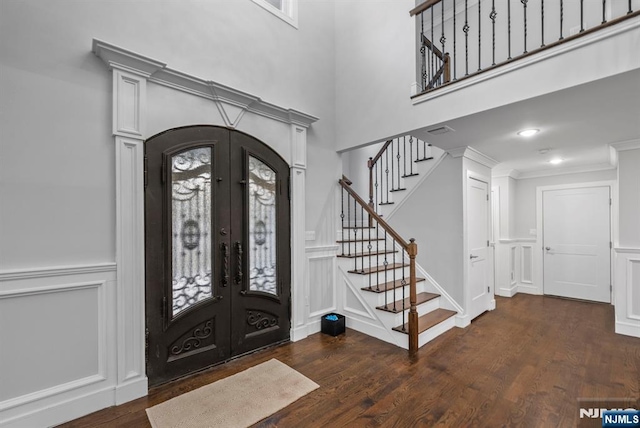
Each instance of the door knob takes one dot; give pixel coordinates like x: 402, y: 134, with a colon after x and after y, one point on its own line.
x: 548, y: 248
x: 473, y: 257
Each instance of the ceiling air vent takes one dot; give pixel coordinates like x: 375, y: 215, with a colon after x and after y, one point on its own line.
x: 439, y: 131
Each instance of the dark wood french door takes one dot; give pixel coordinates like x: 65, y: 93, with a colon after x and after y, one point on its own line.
x: 217, y: 231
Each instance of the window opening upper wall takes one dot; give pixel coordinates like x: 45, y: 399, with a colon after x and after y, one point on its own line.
x: 287, y: 10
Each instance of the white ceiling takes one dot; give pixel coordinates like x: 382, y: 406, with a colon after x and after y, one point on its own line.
x: 576, y: 124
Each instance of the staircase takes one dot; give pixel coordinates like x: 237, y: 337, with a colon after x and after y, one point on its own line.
x: 380, y: 272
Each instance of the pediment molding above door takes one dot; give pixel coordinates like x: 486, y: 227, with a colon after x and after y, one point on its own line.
x: 232, y: 103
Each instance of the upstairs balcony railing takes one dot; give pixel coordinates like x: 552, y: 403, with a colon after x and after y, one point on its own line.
x: 458, y: 39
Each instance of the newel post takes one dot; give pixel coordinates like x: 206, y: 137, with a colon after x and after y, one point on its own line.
x: 412, y: 250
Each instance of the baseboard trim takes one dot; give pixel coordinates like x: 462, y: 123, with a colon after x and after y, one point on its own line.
x: 508, y: 292
x: 528, y: 289
x: 131, y: 390
x: 64, y: 411
x: 492, y: 304
x: 463, y: 321
x: 628, y: 329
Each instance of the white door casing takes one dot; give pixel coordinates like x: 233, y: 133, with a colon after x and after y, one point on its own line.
x: 478, y: 257
x: 576, y: 243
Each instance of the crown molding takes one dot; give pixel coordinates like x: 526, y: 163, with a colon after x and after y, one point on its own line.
x: 626, y: 145
x: 232, y: 103
x: 474, y: 155
x: 568, y: 170
x: 511, y: 173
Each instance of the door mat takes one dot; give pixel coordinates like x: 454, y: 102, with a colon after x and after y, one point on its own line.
x: 240, y: 400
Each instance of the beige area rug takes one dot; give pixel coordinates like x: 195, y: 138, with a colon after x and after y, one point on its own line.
x: 240, y: 400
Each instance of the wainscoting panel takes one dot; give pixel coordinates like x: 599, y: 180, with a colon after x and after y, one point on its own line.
x: 322, y: 289
x: 626, y: 290
x: 526, y: 264
x: 57, y: 342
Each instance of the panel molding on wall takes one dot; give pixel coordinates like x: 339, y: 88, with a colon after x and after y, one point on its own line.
x: 627, y: 291
x: 316, y: 303
x: 91, y: 289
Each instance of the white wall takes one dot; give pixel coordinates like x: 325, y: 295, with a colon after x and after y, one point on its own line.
x: 629, y: 197
x: 525, y: 196
x: 433, y: 216
x: 57, y: 168
x: 376, y: 60
x: 627, y: 251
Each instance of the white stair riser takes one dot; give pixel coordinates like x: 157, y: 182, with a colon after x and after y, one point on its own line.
x: 393, y: 320
x: 378, y: 299
x: 427, y: 335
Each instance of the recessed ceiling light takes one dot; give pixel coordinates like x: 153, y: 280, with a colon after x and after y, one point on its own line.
x: 556, y: 161
x: 528, y: 132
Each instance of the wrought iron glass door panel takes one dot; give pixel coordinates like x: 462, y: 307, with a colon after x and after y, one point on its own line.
x: 217, y: 248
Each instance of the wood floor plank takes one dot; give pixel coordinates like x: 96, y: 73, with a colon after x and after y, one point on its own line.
x: 524, y: 364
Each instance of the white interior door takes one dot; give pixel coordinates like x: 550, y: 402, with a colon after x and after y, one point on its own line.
x: 576, y: 243
x: 478, y: 260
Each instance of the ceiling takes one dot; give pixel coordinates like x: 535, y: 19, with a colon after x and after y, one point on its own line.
x: 576, y: 124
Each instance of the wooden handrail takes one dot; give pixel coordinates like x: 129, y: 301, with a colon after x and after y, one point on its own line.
x: 373, y: 160
x: 411, y: 249
x: 433, y: 48
x: 404, y: 244
x: 423, y: 6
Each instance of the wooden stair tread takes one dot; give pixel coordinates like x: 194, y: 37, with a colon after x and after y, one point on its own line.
x: 427, y: 321
x: 424, y: 159
x: 398, y: 190
x: 346, y: 241
x: 390, y: 285
x: 399, y: 304
x: 410, y: 175
x: 359, y: 227
x: 366, y: 253
x: 381, y: 268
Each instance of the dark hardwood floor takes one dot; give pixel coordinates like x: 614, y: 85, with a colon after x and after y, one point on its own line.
x: 524, y: 364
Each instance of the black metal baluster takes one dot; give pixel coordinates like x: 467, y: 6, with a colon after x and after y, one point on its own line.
x: 386, y: 264
x: 362, y: 237
x: 630, y: 8
x: 393, y: 186
x: 509, y: 28
x: 582, y: 15
x: 375, y: 185
x: 423, y: 53
x: 393, y: 248
x: 604, y: 11
x: 466, y: 39
x: 443, y: 39
x: 386, y: 171
x: 398, y: 158
x: 524, y: 4
x: 411, y: 155
x: 561, y: 18
x: 493, y: 16
x: 542, y: 21
x: 342, y: 218
x: 355, y: 232
x: 369, y: 245
x: 454, y: 38
x: 404, y: 157
x: 404, y: 283
x: 433, y: 64
x: 479, y: 35
x: 377, y: 256
x: 349, y: 219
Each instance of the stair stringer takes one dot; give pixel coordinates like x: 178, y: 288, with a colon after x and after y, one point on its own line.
x: 432, y: 286
x: 368, y: 321
x: 412, y: 183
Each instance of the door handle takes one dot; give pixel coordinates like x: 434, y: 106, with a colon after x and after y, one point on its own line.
x: 473, y: 257
x: 239, y: 253
x: 548, y: 248
x: 225, y: 264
